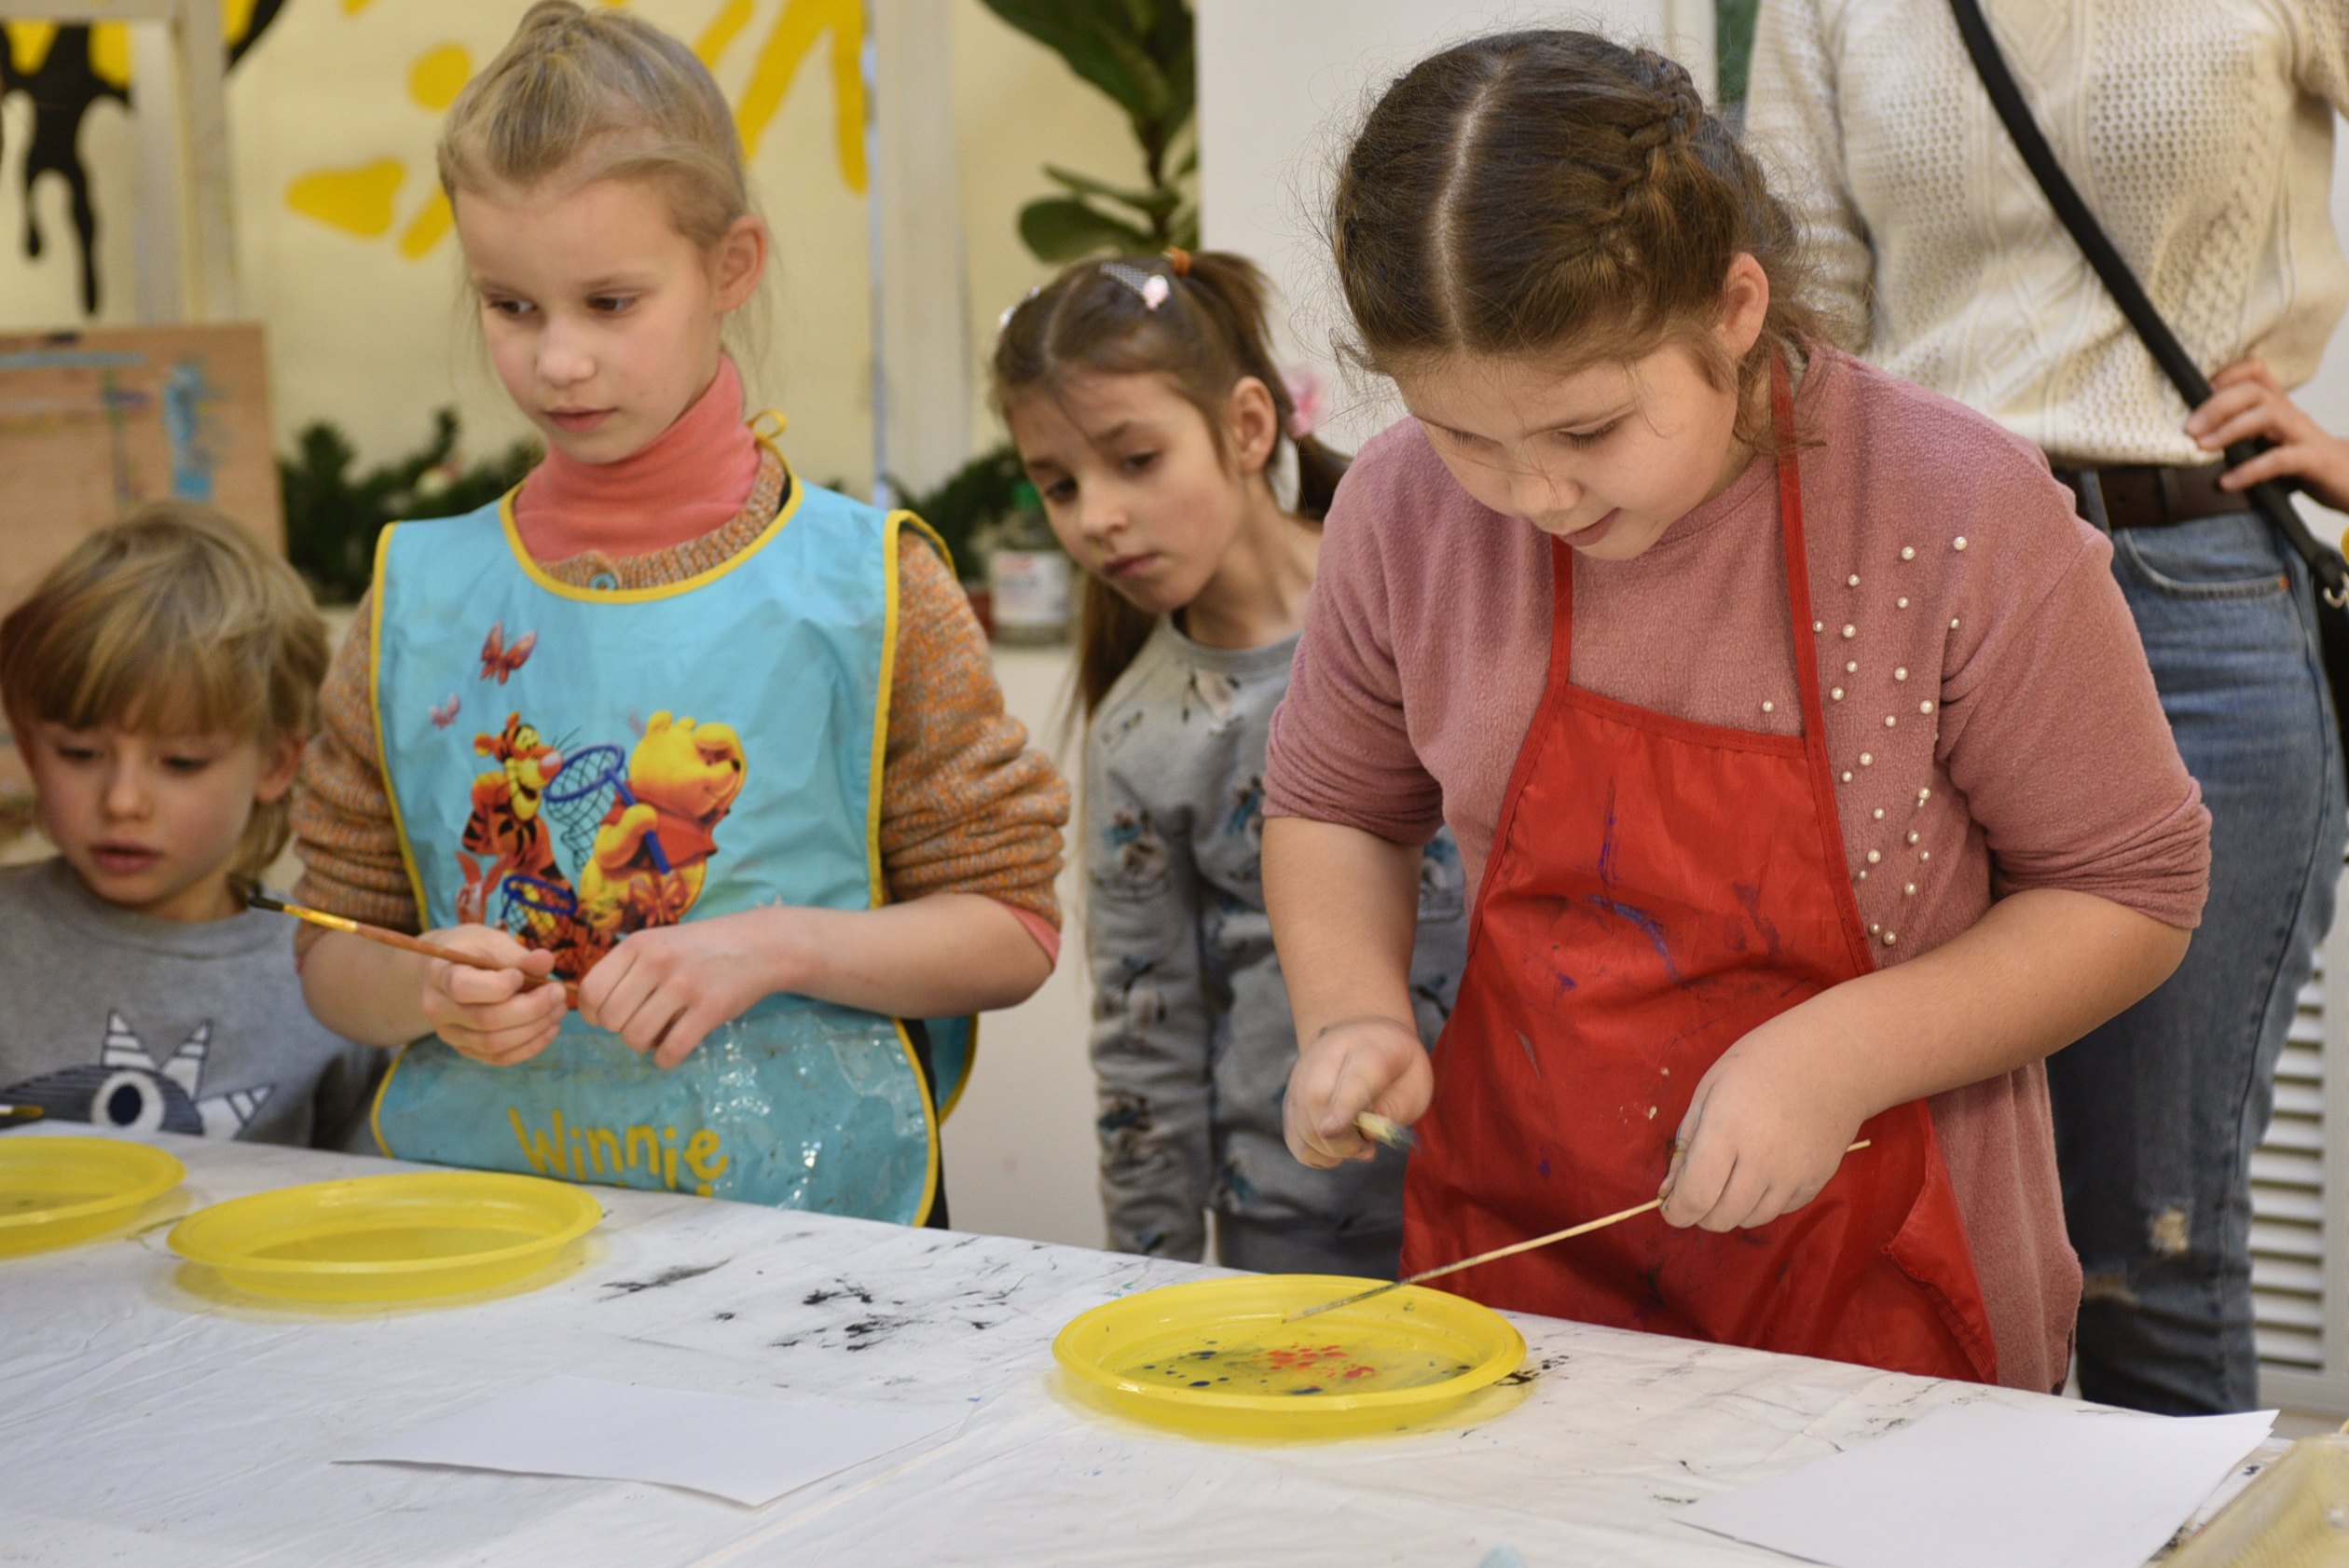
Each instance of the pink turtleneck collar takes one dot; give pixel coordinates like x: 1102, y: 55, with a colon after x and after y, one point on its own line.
x: 694, y: 477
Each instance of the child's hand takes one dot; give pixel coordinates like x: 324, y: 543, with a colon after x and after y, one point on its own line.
x: 665, y: 987
x: 2245, y: 404
x: 1355, y: 1064
x: 1762, y: 1136
x: 495, y: 1016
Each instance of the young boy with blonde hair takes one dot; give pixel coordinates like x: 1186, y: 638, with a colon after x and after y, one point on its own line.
x: 161, y: 683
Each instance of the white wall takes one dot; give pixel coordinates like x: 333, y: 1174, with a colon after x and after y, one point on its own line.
x: 1281, y: 83
x: 1020, y: 1148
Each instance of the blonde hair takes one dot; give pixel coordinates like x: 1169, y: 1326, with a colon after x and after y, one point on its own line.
x: 599, y: 95
x: 173, y: 620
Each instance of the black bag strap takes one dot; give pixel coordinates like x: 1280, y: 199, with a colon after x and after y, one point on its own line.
x: 2269, y: 498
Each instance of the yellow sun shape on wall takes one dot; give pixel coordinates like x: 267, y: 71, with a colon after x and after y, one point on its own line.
x: 364, y: 200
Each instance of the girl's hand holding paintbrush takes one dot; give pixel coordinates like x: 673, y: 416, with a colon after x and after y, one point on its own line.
x: 1367, y: 1066
x: 499, y: 1017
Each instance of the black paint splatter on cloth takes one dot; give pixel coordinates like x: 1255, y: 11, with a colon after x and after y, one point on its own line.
x: 665, y: 1278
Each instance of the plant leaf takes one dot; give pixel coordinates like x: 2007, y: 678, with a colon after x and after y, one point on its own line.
x: 1139, y: 53
x: 1060, y: 228
x: 1157, y: 203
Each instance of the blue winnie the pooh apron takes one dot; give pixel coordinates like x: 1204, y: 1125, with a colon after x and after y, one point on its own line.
x: 574, y: 765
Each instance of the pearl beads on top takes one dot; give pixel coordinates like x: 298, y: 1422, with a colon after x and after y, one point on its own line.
x: 1961, y: 543
x: 1853, y: 581
x: 1769, y: 708
x: 1852, y: 631
x: 1908, y: 552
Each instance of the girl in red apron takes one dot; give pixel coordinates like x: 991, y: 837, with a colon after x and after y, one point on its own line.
x: 1798, y: 735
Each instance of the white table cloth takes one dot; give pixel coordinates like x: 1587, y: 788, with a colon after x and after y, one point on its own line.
x: 146, y: 1424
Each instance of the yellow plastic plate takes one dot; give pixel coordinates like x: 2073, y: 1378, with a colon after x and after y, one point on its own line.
x: 1214, y: 1357
x: 388, y: 1238
x: 57, y: 1191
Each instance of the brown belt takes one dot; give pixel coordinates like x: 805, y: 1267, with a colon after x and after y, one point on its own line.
x: 2149, y: 495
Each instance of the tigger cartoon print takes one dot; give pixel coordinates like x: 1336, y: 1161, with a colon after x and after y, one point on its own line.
x: 506, y: 835
x: 652, y: 849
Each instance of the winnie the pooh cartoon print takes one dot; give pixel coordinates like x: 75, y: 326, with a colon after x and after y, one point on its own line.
x: 653, y: 848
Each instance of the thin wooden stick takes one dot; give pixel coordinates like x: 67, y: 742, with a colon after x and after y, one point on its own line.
x: 1567, y: 1235
x: 260, y: 900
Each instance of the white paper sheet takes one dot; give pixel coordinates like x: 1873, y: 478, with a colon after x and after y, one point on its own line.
x: 1986, y: 1483
x: 747, y: 1450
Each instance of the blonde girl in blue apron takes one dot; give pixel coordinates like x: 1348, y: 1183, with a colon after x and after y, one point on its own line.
x: 662, y: 781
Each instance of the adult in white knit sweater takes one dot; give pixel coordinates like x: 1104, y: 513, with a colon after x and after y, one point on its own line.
x: 2201, y: 133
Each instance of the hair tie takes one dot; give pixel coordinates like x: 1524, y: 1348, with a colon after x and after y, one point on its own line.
x: 1303, y: 384
x: 1152, y: 286
x: 1003, y: 322
x: 1179, y: 259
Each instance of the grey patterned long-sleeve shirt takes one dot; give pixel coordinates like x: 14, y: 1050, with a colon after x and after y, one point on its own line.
x: 1192, y: 1040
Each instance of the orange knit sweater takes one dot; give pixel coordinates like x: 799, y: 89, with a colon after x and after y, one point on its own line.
x: 965, y: 806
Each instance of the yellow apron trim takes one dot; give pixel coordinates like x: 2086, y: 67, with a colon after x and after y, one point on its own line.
x: 931, y: 1111
x: 538, y: 575
x: 375, y: 1106
x: 375, y: 705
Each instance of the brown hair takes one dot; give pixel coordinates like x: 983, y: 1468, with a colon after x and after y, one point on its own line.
x: 599, y: 94
x: 1540, y: 192
x: 176, y: 621
x: 1207, y: 332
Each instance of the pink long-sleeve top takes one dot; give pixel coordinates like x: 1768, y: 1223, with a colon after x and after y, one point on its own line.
x: 1988, y: 712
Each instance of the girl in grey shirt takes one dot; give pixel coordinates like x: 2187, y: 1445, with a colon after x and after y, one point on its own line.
x: 1148, y: 412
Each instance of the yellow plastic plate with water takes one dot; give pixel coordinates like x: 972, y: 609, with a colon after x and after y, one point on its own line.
x: 1214, y: 1357
x: 57, y: 1191
x: 388, y: 1238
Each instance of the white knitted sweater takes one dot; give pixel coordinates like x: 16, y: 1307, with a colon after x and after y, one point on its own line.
x: 2199, y: 132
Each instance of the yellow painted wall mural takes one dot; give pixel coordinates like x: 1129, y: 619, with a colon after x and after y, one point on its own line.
x: 345, y: 253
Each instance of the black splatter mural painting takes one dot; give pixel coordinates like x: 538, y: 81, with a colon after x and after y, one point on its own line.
x: 65, y: 72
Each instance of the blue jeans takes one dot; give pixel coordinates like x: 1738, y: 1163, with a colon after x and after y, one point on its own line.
x: 2157, y: 1112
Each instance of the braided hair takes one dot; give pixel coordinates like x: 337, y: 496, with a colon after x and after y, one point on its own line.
x: 1556, y: 193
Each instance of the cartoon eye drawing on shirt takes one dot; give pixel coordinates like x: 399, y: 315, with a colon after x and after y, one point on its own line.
x: 1245, y: 819
x: 127, y: 1088
x: 1139, y: 847
x: 1215, y: 695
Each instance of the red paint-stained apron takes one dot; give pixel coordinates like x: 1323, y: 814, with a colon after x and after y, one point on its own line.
x: 1658, y: 890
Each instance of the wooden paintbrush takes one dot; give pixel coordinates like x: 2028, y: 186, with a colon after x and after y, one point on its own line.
x: 1569, y: 1233
x: 259, y: 900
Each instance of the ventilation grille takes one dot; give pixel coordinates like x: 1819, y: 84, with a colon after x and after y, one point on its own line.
x: 2288, y: 1201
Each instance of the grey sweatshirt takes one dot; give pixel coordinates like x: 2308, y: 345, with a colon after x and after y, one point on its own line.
x: 1192, y: 1041
x: 113, y: 1017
